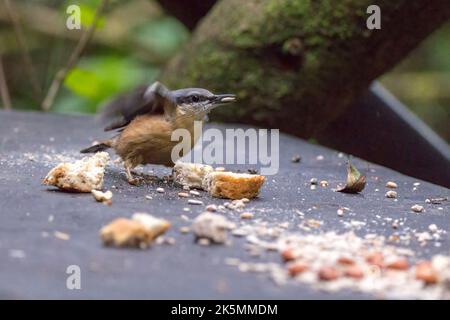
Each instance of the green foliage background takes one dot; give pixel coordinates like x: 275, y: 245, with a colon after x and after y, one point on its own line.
x: 134, y: 39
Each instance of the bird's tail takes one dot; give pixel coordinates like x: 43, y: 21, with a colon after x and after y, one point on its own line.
x: 97, y: 147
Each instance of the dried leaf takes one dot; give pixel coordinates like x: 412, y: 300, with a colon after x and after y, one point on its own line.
x: 355, y: 181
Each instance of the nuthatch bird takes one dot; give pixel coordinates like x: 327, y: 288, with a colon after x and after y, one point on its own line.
x: 147, y: 118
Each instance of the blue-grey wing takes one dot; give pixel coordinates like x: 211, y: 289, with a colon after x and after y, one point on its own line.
x: 154, y: 99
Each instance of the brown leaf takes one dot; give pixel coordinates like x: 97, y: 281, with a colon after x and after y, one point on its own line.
x: 355, y: 181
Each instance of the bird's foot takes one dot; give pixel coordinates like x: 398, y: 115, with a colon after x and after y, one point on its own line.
x: 135, y: 181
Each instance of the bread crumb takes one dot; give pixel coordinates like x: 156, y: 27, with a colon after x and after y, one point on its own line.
x: 391, y: 184
x: 194, y: 193
x: 185, y: 230
x: 195, y: 202
x: 61, y: 235
x: 139, y: 231
x: 235, y: 204
x: 246, y: 215
x: 391, y: 194
x: 105, y: 197
x: 84, y: 175
x: 190, y: 175
x: 417, y: 208
x: 233, y: 185
x: 160, y: 190
x: 324, y: 183
x: 211, y: 226
x: 183, y: 194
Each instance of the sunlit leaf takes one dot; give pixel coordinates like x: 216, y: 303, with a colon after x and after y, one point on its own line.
x: 101, y: 77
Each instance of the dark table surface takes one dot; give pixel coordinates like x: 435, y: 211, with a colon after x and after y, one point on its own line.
x: 33, y: 262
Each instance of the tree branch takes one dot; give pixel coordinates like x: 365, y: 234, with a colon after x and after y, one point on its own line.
x: 298, y: 64
x: 4, y: 92
x: 20, y: 38
x: 73, y: 59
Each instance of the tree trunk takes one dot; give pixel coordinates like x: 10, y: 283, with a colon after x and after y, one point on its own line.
x: 298, y: 64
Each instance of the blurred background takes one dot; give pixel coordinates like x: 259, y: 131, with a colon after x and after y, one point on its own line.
x: 134, y: 39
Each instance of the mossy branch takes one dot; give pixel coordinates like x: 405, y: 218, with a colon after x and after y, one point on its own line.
x: 298, y: 64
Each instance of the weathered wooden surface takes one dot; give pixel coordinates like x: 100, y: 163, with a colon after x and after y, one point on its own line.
x: 183, y: 270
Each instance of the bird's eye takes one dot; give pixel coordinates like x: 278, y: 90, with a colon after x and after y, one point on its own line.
x: 195, y: 98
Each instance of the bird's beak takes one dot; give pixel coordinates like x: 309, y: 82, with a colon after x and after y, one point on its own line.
x: 223, y: 99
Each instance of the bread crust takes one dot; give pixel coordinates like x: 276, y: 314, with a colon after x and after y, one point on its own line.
x: 233, y: 185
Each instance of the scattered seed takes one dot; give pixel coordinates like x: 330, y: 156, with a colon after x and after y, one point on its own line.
x: 391, y: 184
x: 313, y: 181
x: 211, y: 208
x: 354, y: 271
x: 399, y: 264
x: 148, y: 197
x: 320, y: 157
x: 235, y: 204
x: 313, y: 223
x: 324, y: 183
x: 433, y: 228
x: 328, y: 273
x: 246, y: 215
x: 426, y: 272
x: 417, y: 208
x: 296, y: 158
x: 391, y: 194
x: 436, y: 200
x: 183, y: 195
x: 61, y: 235
x: 195, y: 202
x: 345, y: 261
x: 288, y: 254
x: 185, y: 230
x: 340, y: 212
x: 375, y: 258
x: 160, y: 190
x: 220, y: 169
x: 204, y: 241
x: 194, y: 193
x: 296, y: 268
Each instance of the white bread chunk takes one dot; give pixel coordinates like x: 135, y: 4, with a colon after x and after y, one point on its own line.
x: 190, y: 174
x: 211, y: 226
x: 233, y: 185
x: 139, y: 231
x: 83, y: 175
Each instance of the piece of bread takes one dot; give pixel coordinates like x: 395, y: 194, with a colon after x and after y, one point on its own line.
x: 190, y: 174
x: 105, y: 197
x: 139, y: 231
x: 211, y: 226
x: 233, y: 185
x: 84, y: 175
